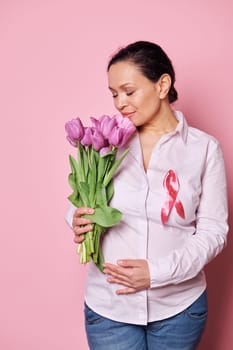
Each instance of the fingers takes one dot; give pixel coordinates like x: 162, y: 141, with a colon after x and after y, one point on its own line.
x: 126, y: 291
x: 130, y: 262
x: 124, y: 268
x: 118, y: 275
x: 125, y: 282
x: 81, y: 211
x: 79, y: 232
x: 132, y: 274
x: 80, y: 224
x: 116, y: 271
x: 118, y: 279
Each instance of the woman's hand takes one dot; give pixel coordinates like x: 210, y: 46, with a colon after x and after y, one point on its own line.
x: 132, y: 273
x: 81, y: 225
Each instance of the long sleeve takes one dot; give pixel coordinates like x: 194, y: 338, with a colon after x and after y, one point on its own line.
x: 70, y: 214
x: 211, y: 228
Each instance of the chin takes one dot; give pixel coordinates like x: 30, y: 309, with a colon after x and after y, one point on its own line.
x: 136, y: 123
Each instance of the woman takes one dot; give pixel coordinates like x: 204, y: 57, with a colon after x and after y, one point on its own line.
x: 171, y: 189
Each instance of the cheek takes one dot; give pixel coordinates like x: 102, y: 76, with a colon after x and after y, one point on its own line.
x: 115, y: 103
x: 149, y: 101
x: 153, y: 104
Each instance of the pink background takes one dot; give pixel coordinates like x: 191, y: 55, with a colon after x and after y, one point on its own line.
x: 53, y: 60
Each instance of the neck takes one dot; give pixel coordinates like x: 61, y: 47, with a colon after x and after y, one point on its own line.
x: 164, y: 122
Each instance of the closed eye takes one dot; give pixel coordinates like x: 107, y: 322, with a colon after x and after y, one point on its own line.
x: 127, y: 94
x: 130, y: 93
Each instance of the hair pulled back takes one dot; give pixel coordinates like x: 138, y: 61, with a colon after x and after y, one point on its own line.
x: 151, y: 60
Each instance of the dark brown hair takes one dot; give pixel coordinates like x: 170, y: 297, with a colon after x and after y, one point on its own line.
x: 151, y: 60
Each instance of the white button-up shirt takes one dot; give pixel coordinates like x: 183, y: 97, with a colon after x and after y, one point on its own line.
x: 177, y: 250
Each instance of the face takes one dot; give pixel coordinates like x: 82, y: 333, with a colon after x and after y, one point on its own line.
x: 135, y: 96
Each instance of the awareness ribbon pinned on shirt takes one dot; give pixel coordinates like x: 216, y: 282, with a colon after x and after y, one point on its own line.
x: 172, y: 186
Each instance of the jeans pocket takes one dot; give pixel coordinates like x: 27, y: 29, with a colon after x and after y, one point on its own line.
x: 199, y: 309
x: 91, y: 317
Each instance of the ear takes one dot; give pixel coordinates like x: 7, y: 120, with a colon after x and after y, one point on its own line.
x: 164, y: 85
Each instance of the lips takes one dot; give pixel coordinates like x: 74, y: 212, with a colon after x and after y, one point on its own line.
x: 128, y: 114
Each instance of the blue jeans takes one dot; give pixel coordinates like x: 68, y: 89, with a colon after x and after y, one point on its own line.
x: 180, y: 332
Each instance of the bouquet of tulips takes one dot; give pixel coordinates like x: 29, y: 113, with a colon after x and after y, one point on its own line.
x: 91, y: 177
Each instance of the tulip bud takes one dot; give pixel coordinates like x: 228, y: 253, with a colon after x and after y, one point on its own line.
x: 87, y: 138
x: 115, y: 136
x: 121, y: 132
x: 98, y: 140
x: 107, y: 124
x: 104, y: 150
x: 95, y: 123
x: 75, y: 131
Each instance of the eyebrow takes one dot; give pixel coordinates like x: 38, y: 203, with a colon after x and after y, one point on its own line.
x: 121, y: 86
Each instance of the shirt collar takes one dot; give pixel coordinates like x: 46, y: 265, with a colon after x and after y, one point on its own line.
x: 135, y: 147
x: 182, y: 126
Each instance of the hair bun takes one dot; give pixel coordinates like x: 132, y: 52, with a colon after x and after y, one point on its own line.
x: 172, y: 95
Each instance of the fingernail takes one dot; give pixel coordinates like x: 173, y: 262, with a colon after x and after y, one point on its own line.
x: 90, y: 211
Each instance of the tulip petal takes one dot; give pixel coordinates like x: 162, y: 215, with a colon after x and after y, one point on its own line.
x: 75, y: 130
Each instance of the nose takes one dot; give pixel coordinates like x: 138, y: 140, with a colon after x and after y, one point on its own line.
x: 120, y: 102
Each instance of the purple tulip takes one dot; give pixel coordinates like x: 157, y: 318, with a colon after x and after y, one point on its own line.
x: 107, y: 124
x: 95, y: 123
x: 87, y: 138
x: 121, y: 132
x: 104, y: 150
x: 98, y: 140
x: 124, y: 122
x: 115, y: 137
x: 75, y: 131
x: 127, y: 134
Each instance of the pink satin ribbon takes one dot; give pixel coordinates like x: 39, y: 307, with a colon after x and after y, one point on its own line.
x: 172, y: 186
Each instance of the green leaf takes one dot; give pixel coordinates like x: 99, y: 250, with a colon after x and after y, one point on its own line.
x: 75, y: 200
x: 84, y: 193
x: 110, y: 161
x: 92, y: 175
x: 72, y: 182
x: 85, y: 162
x: 73, y: 164
x: 109, y: 191
x: 97, y: 232
x: 100, y: 261
x: 101, y: 168
x: 80, y: 166
x: 101, y: 198
x: 115, y: 166
x: 111, y: 153
x: 105, y: 216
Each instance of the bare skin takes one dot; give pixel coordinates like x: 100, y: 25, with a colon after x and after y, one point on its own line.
x: 81, y: 225
x: 146, y: 104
